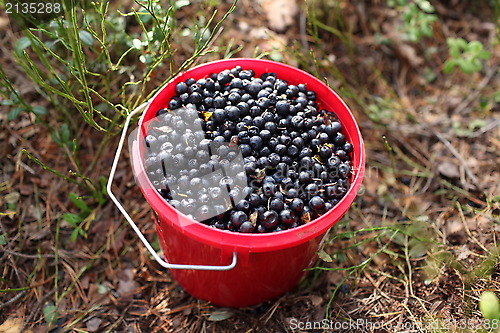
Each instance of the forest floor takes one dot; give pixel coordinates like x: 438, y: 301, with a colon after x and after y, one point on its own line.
x: 432, y: 145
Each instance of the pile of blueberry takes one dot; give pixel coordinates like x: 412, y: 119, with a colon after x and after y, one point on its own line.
x: 247, y: 154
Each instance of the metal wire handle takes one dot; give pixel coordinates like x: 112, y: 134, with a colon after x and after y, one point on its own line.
x: 132, y: 223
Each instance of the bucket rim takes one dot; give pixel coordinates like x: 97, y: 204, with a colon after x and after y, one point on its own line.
x: 252, y: 242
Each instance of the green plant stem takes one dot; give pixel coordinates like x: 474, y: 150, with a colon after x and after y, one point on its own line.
x: 55, y: 172
x: 14, y: 289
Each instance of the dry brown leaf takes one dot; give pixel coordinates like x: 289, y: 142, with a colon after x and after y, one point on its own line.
x: 126, y: 284
x: 449, y: 169
x: 253, y: 218
x: 206, y: 115
x: 261, y: 174
x: 454, y: 227
x: 306, y: 218
x: 316, y: 300
x: 463, y: 253
x: 335, y: 277
x: 39, y: 329
x: 4, y: 23
x: 280, y: 13
x: 93, y: 324
x: 13, y: 325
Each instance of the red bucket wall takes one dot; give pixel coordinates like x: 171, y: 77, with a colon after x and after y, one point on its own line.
x: 268, y: 264
x: 257, y: 277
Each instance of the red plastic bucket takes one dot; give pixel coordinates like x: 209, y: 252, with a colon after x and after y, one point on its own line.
x: 270, y: 264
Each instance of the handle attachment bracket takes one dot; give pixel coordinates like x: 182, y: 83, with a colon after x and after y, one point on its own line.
x: 141, y: 236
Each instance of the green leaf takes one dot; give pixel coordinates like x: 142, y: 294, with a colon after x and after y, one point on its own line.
x: 276, y: 55
x: 74, y: 234
x: 102, y: 107
x: 102, y: 288
x: 64, y: 133
x: 475, y: 46
x: 429, y: 75
x: 103, y: 181
x: 346, y: 235
x: 181, y: 3
x: 421, y: 218
x: 399, y: 239
x: 40, y: 110
x: 449, y: 65
x: 340, y: 257
x: 146, y: 58
x: 22, y: 44
x: 73, y: 219
x: 78, y: 202
x: 489, y: 305
x: 452, y: 43
x: 50, y: 313
x: 467, y: 66
x: 483, y: 54
x: 454, y: 49
x: 137, y: 44
x: 3, y: 239
x: 14, y: 98
x: 418, y: 250
x: 55, y: 137
x: 12, y: 197
x: 158, y: 33
x: 324, y: 256
x: 220, y: 315
x: 86, y: 37
x: 476, y: 64
x: 461, y: 43
x: 144, y: 16
x: 426, y: 6
x: 14, y: 113
x: 477, y: 123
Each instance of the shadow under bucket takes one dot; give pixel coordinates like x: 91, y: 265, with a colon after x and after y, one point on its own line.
x: 256, y: 267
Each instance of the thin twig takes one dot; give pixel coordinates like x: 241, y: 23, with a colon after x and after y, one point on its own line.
x: 61, y: 253
x: 71, y: 159
x: 217, y: 34
x: 13, y: 299
x: 28, y: 256
x: 270, y: 312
